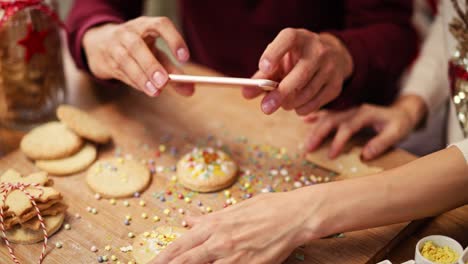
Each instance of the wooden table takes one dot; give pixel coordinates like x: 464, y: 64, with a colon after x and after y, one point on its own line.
x: 140, y: 125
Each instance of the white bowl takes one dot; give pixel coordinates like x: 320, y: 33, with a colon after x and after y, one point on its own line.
x: 464, y: 257
x: 440, y: 241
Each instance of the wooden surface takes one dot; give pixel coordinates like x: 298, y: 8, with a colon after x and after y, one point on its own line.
x: 140, y: 124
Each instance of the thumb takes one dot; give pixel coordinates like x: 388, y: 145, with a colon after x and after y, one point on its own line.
x: 252, y: 92
x: 185, y: 89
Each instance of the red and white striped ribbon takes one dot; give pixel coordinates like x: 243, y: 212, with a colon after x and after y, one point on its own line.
x: 5, y: 189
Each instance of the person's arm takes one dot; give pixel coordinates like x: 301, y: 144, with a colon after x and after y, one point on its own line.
x: 426, y: 187
x: 423, y: 93
x: 267, y: 228
x: 86, y: 14
x: 382, y: 42
x: 428, y: 77
x: 105, y: 41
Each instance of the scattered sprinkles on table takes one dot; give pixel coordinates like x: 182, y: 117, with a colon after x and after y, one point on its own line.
x: 262, y: 169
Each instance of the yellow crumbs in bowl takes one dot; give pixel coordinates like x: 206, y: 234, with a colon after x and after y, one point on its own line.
x: 442, y: 255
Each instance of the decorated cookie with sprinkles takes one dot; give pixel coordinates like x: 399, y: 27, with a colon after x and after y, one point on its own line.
x: 118, y: 177
x: 148, y: 245
x: 206, y: 170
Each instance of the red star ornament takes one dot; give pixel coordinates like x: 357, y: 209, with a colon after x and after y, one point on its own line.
x: 33, y: 42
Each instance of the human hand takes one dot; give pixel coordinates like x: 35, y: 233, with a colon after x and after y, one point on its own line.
x: 392, y: 124
x: 311, y: 69
x: 263, y: 229
x: 127, y: 52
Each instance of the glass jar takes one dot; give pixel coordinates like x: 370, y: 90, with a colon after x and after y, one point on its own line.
x: 32, y: 82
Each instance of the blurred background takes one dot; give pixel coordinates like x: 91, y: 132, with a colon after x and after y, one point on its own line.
x: 152, y: 7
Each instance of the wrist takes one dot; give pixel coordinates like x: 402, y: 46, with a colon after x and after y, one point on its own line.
x: 414, y: 107
x: 315, y: 215
x: 89, y: 37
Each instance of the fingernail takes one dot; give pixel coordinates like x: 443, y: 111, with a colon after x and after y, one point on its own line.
x: 150, y: 88
x: 159, y: 78
x: 269, y: 106
x: 182, y: 54
x: 265, y: 66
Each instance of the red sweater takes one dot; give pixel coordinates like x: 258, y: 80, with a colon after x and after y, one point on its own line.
x: 230, y: 36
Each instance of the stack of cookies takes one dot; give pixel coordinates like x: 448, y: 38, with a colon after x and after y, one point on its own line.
x: 64, y: 148
x: 20, y: 218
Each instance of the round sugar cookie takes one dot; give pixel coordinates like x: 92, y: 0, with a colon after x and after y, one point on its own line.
x: 118, y: 177
x: 69, y: 165
x: 206, y: 170
x: 20, y: 235
x: 83, y: 124
x: 148, y: 245
x: 52, y: 140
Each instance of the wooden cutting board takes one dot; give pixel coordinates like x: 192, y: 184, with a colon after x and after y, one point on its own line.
x: 213, y: 116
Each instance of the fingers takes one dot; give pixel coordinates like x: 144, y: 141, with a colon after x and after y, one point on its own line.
x: 325, y: 95
x: 252, y: 92
x: 323, y: 129
x: 384, y: 140
x: 189, y: 240
x: 310, y: 90
x: 295, y: 81
x: 351, y: 122
x: 155, y: 74
x: 163, y: 26
x: 324, y: 123
x: 185, y: 89
x: 132, y: 71
x: 314, y: 116
x: 275, y: 51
